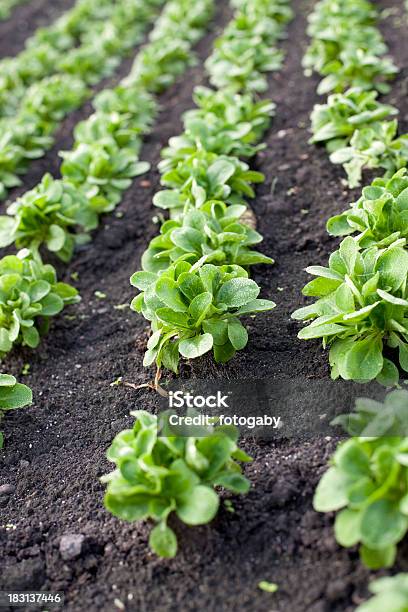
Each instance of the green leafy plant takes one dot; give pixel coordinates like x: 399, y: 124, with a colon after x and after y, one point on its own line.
x: 12, y: 395
x: 49, y: 214
x: 195, y: 309
x: 380, y: 215
x: 29, y: 296
x: 245, y: 51
x: 373, y: 147
x: 362, y: 307
x: 335, y: 122
x: 224, y: 123
x: 102, y: 172
x: 390, y: 593
x: 204, y: 176
x: 367, y: 483
x: 212, y: 234
x: 357, y: 68
x: 157, y: 475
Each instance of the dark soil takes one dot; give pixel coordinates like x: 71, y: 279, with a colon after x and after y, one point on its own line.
x: 25, y: 19
x: 55, y: 450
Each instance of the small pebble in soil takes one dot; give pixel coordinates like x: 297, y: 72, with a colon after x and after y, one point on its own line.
x: 6, y: 490
x: 71, y: 546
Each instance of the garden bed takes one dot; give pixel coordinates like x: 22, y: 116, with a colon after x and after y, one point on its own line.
x: 56, y: 448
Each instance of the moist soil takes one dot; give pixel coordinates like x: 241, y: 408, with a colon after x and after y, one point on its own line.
x: 55, y: 450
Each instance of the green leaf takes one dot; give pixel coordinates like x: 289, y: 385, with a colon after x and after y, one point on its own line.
x: 199, y: 506
x: 238, y: 292
x: 196, y: 346
x: 347, y: 527
x: 233, y: 482
x: 163, y: 541
x: 364, y: 361
x: 378, y: 558
x: 55, y: 238
x: 331, y: 492
x: 382, y: 524
x: 168, y: 292
x: 237, y: 335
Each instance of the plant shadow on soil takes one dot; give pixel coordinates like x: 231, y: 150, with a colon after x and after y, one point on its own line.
x: 55, y: 450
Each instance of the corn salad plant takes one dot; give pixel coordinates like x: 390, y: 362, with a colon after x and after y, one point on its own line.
x: 29, y: 296
x: 367, y: 482
x: 157, y: 475
x: 347, y: 49
x: 361, y: 307
x: 389, y: 593
x: 29, y: 123
x: 194, y: 281
x: 13, y: 395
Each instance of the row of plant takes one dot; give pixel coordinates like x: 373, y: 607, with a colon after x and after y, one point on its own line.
x: 348, y: 50
x: 362, y: 296
x: 105, y: 157
x: 194, y: 283
x: 31, y: 113
x: 6, y: 6
x: 367, y: 486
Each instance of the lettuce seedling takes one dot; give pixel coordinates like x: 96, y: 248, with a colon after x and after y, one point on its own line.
x: 195, y: 309
x: 12, y: 395
x: 224, y: 123
x: 380, y: 216
x: 29, y: 296
x: 157, y: 475
x: 362, y: 305
x: 212, y: 234
x: 357, y: 68
x: 48, y: 215
x: 203, y: 176
x: 102, y: 171
x: 376, y: 146
x: 390, y: 593
x: 367, y: 483
x: 335, y: 122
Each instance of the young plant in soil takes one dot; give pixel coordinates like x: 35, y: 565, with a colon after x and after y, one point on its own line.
x: 195, y: 309
x: 380, y: 215
x: 29, y: 296
x: 158, y: 474
x: 12, y: 395
x: 362, y: 306
x: 367, y: 483
x: 390, y: 593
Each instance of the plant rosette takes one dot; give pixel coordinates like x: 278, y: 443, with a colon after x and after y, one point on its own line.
x: 29, y: 296
x: 362, y: 305
x: 196, y: 309
x: 367, y: 483
x: 157, y: 475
